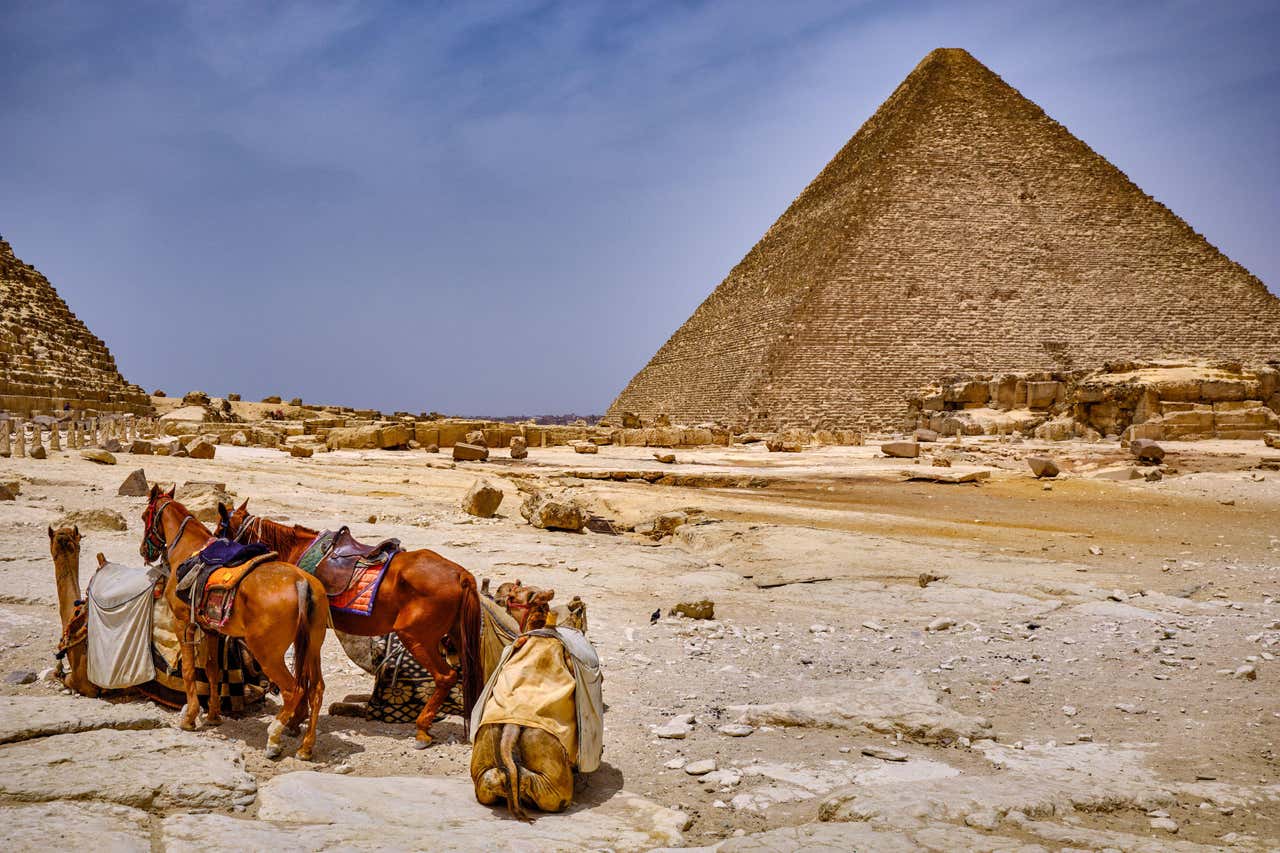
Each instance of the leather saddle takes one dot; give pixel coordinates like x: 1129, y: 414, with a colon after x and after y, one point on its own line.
x: 345, y: 558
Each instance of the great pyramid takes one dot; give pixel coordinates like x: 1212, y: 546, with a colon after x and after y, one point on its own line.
x: 48, y: 358
x: 960, y: 229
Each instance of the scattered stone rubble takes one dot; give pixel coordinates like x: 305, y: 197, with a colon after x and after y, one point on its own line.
x: 1146, y: 400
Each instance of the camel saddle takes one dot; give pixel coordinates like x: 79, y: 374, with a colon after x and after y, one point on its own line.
x: 337, y: 559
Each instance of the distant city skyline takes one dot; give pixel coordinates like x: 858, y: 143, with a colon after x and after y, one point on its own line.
x: 507, y: 208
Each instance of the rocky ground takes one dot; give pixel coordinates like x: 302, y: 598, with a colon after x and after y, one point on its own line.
x: 893, y: 664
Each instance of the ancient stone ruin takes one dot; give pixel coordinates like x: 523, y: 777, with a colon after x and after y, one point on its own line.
x: 1156, y: 400
x: 49, y: 359
x: 960, y: 230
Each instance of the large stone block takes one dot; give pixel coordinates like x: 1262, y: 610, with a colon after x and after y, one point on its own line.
x: 1042, y: 395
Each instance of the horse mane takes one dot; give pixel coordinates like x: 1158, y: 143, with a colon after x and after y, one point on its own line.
x: 282, y: 537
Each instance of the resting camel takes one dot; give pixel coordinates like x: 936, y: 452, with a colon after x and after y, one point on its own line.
x: 533, y: 730
x: 277, y: 606
x: 64, y: 545
x: 424, y: 598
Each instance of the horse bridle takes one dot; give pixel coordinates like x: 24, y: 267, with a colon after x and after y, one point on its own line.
x: 249, y: 524
x: 157, y: 545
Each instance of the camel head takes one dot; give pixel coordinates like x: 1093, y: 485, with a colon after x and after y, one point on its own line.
x: 64, y: 542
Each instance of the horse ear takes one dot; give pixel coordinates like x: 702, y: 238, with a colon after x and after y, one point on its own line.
x: 75, y: 531
x: 173, y: 490
x: 155, y: 491
x: 50, y: 534
x: 222, y: 512
x: 102, y: 559
x: 244, y: 507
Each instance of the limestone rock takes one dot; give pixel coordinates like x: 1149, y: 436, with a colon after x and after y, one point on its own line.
x: 162, y: 768
x: 141, y: 447
x: 1146, y: 450
x: 134, y: 486
x: 38, y: 452
x: 29, y: 717
x: 665, y: 458
x: 239, y: 439
x: 482, y: 499
x: 75, y: 826
x: 202, y: 499
x: 925, y: 435
x: 201, y: 449
x: 6, y: 493
x: 464, y: 452
x: 519, y: 448
x: 113, y: 445
x: 1122, y: 474
x: 901, y: 449
x: 584, y: 447
x: 332, y: 812
x: 1043, y: 466
x: 703, y: 608
x: 94, y: 519
x: 476, y: 437
x: 301, y: 451
x: 548, y: 512
x: 900, y: 702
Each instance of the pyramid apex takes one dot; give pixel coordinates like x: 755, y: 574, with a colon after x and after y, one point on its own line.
x: 949, y: 56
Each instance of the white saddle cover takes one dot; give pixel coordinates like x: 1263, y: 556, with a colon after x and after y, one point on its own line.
x: 119, y: 603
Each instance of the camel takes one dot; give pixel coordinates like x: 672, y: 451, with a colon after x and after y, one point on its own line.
x: 64, y: 545
x: 534, y: 764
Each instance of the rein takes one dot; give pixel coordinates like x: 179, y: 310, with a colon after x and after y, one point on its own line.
x: 155, y: 532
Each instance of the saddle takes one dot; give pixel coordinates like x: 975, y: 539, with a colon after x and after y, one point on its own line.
x: 208, y: 580
x: 337, y: 559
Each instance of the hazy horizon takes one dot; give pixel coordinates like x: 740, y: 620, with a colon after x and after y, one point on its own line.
x: 507, y: 208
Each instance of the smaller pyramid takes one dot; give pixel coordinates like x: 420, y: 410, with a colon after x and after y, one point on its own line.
x: 49, y: 359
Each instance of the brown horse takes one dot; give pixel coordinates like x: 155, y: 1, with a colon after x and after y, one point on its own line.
x: 277, y: 606
x: 424, y: 598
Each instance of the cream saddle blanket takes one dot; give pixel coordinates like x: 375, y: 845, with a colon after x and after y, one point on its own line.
x: 119, y: 603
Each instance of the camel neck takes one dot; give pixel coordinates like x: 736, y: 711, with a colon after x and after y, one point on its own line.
x: 67, y: 572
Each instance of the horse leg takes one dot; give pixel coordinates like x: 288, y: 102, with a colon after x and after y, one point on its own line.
x: 187, y: 654
x: 213, y: 672
x: 276, y: 669
x: 427, y: 652
x: 315, y: 687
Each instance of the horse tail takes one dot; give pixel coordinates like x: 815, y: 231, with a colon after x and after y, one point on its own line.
x: 302, y: 666
x: 468, y: 638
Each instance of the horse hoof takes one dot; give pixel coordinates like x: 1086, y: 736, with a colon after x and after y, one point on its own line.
x: 274, y: 752
x: 187, y: 725
x: 213, y: 722
x: 303, y: 755
x: 422, y: 742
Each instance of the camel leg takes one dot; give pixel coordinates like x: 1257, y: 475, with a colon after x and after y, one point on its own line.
x: 213, y: 672
x: 276, y: 669
x: 428, y: 654
x: 187, y: 652
x: 547, y: 778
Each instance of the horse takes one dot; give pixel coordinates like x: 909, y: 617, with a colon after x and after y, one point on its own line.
x: 424, y: 598
x: 277, y: 606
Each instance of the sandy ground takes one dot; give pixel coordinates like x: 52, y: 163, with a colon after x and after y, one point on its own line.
x: 1084, y: 611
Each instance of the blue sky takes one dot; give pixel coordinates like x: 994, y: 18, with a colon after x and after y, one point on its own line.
x: 499, y: 208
